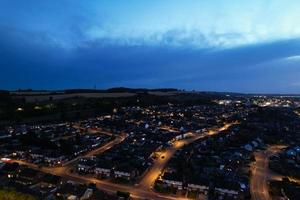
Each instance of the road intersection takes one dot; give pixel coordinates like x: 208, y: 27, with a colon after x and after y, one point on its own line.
x: 261, y: 174
x: 142, y: 190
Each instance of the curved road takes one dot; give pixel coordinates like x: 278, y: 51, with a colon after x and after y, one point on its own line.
x: 143, y: 189
x: 261, y: 173
x: 148, y: 180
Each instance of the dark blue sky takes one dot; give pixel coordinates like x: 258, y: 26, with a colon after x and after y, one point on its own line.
x: 242, y: 46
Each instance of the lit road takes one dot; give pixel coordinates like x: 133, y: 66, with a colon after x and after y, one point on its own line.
x: 99, y: 150
x: 67, y: 166
x: 99, y: 130
x: 106, y: 186
x: 261, y: 173
x: 167, y: 128
x: 143, y: 189
x: 93, y: 131
x: 147, y: 182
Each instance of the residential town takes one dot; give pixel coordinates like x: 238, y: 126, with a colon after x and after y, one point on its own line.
x: 205, y: 151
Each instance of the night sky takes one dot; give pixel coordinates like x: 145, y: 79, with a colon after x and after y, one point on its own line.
x: 238, y: 46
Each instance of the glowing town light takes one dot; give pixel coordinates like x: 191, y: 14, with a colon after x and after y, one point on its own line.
x: 20, y: 109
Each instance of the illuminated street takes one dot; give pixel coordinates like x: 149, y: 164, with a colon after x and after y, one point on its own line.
x: 261, y: 174
x: 143, y: 189
x: 149, y: 100
x: 147, y: 182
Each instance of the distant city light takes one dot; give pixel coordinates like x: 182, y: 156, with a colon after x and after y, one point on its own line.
x: 20, y: 109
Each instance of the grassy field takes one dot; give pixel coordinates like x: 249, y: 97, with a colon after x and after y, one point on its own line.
x: 8, y: 194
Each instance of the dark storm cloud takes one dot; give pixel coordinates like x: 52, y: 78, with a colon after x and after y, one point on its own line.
x: 34, y: 60
x: 72, y: 43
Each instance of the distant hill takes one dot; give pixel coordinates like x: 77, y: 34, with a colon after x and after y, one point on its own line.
x: 137, y: 90
x: 72, y: 91
x: 28, y: 92
x: 4, y: 92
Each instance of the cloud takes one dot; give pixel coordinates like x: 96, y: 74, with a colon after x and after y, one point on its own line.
x: 199, y: 24
x: 207, y: 45
x: 193, y: 24
x: 293, y: 58
x: 32, y: 60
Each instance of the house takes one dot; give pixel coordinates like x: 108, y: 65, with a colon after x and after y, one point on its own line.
x: 227, y: 192
x: 172, y: 179
x: 54, y: 158
x: 10, y: 169
x: 227, y: 189
x: 259, y: 140
x: 36, y: 154
x: 198, y: 183
x: 87, y: 195
x: 72, y: 197
x: 50, y: 180
x: 43, y: 190
x: 198, y: 187
x: 291, y: 152
x: 297, y: 149
x: 1, y: 164
x: 103, y: 169
x: 87, y: 165
x: 248, y: 147
x: 71, y: 190
x: 122, y: 174
x: 103, y: 172
x: 254, y: 144
x: 27, y: 176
